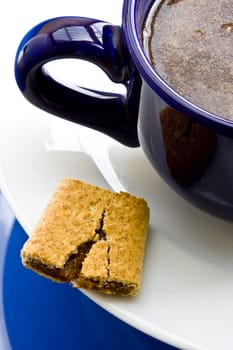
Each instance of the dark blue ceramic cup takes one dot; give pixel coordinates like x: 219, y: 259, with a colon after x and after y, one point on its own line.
x: 190, y: 148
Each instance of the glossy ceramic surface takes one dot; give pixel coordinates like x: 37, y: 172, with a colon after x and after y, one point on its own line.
x: 184, y: 143
x: 91, y: 40
x: 190, y: 148
x: 187, y: 279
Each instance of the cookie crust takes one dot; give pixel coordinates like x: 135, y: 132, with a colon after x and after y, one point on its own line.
x: 90, y: 237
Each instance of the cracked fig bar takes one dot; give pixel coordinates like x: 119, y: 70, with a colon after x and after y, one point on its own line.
x: 90, y: 237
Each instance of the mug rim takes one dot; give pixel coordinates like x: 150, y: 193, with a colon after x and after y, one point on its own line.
x: 157, y: 83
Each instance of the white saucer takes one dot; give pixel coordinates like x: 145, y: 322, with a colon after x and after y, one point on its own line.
x: 186, y: 298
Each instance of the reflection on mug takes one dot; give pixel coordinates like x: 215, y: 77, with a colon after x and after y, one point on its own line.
x: 189, y: 146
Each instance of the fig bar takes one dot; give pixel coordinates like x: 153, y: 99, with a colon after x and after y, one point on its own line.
x: 91, y: 237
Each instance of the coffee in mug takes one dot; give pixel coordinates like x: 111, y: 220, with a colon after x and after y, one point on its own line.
x: 190, y: 44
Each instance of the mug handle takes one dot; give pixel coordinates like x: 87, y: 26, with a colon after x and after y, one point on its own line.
x: 83, y: 38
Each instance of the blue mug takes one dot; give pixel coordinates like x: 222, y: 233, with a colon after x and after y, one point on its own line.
x: 189, y: 147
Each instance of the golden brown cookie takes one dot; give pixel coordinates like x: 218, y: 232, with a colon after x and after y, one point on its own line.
x: 91, y: 237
